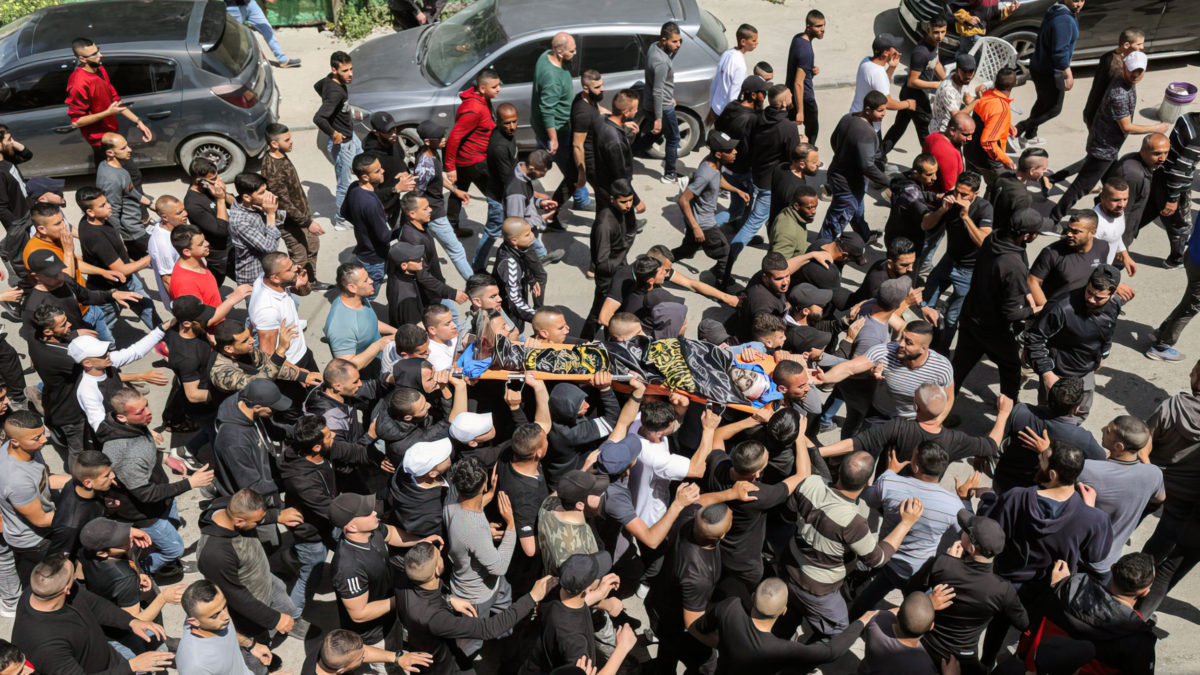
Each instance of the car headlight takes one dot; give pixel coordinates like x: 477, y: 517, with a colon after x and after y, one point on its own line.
x: 359, y: 113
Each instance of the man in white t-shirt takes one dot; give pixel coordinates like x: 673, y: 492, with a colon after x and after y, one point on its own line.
x: 875, y: 74
x: 163, y: 255
x: 726, y: 85
x: 650, y: 479
x: 443, y: 336
x: 271, y: 306
x: 1110, y: 209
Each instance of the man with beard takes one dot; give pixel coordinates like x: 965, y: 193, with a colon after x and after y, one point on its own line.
x: 913, y: 198
x: 611, y: 238
x: 855, y: 150
x: 698, y: 203
x: 1137, y: 169
x: 237, y: 361
x: 272, y: 308
x: 771, y: 144
x: 788, y: 232
x: 1072, y: 336
x: 739, y: 119
x: 658, y: 107
x: 952, y: 96
x: 585, y: 115
x: 900, y: 262
x: 901, y: 366
x: 1171, y: 187
x: 614, y: 153
x: 1067, y: 264
x: 1021, y: 189
x: 998, y: 303
x: 550, y: 110
x: 1110, y: 210
x: 788, y: 177
x: 501, y: 161
x: 383, y: 143
x: 801, y: 70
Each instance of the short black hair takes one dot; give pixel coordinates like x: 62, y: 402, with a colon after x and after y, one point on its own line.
x: 657, y: 415
x: 874, y: 99
x: 201, y: 167
x: 813, y: 16
x: 81, y: 42
x: 900, y: 246
x: 274, y: 130
x: 248, y: 182
x: 1116, y: 183
x: 345, y: 273
x: 525, y: 440
x: 1006, y: 79
x: 745, y: 32
x: 485, y: 75
x: 747, y: 456
x: 339, y: 58
x: 668, y: 29
x: 480, y: 280
x: 24, y: 419
x: 970, y: 179
x: 621, y: 187
x: 1133, y: 572
x: 181, y: 237
x: 764, y: 324
x: 919, y: 326
x: 362, y: 163
x: 198, y: 593
x: 468, y: 477
x: 10, y: 655
x: 804, y: 192
x: 226, y: 332
x: 87, y: 195
x: 644, y: 269
x: 1066, y: 460
x: 774, y: 262
x: 764, y: 66
x: 1065, y: 396
x: 783, y: 427
x: 409, y: 337
x: 308, y: 433
x: 932, y: 458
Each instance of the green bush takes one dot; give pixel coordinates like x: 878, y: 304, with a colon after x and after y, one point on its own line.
x: 13, y: 9
x: 356, y: 20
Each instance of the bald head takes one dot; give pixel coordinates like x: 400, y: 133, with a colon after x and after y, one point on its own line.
x: 513, y: 227
x: 713, y: 523
x: 960, y: 128
x: 916, y: 615
x: 562, y: 45
x: 856, y: 471
x: 930, y: 401
x: 770, y: 598
x: 505, y: 110
x: 1155, y: 148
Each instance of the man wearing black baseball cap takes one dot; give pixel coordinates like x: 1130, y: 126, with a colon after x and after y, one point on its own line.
x: 51, y: 286
x: 698, y: 203
x: 383, y: 143
x: 998, y: 303
x: 980, y: 594
x: 1072, y: 336
x: 244, y: 443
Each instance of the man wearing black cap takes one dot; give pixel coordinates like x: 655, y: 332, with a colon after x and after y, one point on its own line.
x: 998, y: 302
x: 980, y: 594
x: 406, y: 304
x: 383, y: 143
x: 244, y: 443
x: 966, y: 217
x: 698, y: 203
x: 567, y: 632
x: 52, y: 287
x: 563, y: 522
x: 952, y: 95
x: 738, y: 120
x: 362, y: 573
x: 1072, y: 337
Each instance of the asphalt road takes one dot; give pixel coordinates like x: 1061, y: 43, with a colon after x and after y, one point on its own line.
x: 1128, y: 383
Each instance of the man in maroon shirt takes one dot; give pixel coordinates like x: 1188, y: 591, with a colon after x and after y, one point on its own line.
x: 93, y: 103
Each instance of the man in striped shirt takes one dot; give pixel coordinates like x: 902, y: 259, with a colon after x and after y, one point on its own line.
x: 832, y: 532
x: 1170, y: 188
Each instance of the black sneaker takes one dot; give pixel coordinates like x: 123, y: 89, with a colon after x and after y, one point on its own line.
x: 170, y: 573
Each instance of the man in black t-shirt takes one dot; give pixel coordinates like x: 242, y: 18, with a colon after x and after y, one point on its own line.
x: 901, y: 261
x: 343, y: 652
x: 848, y: 247
x: 101, y: 246
x: 684, y: 591
x: 925, y: 73
x: 207, y: 205
x: 585, y: 115
x: 967, y: 219
x: 1067, y: 264
x: 79, y: 502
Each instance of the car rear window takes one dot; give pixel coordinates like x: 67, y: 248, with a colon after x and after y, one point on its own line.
x: 455, y: 45
x: 232, y: 51
x: 711, y: 32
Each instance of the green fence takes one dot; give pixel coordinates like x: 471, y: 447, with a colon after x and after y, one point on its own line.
x: 298, y: 12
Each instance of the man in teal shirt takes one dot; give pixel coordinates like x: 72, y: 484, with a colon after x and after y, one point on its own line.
x: 353, y: 330
x: 550, y: 109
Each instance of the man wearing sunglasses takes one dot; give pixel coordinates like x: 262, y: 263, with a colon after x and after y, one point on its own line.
x: 93, y: 102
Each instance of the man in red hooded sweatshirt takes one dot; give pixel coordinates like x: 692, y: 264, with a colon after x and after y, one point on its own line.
x: 466, y: 148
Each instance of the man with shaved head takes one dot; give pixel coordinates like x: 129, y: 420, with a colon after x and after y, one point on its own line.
x: 1137, y: 168
x: 745, y: 643
x: 550, y: 110
x: 893, y: 639
x: 947, y: 146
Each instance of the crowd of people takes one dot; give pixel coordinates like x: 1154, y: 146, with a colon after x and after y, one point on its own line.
x: 522, y: 525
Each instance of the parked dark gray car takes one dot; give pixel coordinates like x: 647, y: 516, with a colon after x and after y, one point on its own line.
x: 417, y: 74
x: 193, y: 74
x: 1172, y: 27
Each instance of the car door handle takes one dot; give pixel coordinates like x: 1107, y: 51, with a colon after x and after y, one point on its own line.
x: 159, y: 115
x: 64, y: 130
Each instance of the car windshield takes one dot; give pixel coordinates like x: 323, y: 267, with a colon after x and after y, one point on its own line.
x: 455, y: 45
x: 232, y: 52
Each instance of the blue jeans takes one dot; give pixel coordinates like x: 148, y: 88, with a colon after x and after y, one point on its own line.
x: 443, y: 231
x: 252, y: 14
x: 760, y: 211
x: 376, y: 272
x: 168, y: 544
x: 491, y: 230
x: 925, y: 255
x: 144, y: 308
x: 312, y: 563
x: 845, y: 208
x: 670, y: 129
x: 94, y: 318
x: 539, y: 249
x: 342, y: 154
x: 958, y: 279
x: 737, y: 207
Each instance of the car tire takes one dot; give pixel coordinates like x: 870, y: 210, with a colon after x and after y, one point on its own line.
x: 227, y: 155
x: 410, y: 141
x: 690, y: 131
x: 1025, y: 41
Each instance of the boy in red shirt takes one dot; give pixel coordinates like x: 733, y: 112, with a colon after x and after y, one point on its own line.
x: 191, y: 276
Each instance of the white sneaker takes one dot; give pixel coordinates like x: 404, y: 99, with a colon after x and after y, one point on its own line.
x: 342, y: 226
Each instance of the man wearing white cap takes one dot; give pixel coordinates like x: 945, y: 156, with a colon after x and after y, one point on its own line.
x: 101, y: 369
x: 474, y: 434
x: 417, y: 492
x: 1113, y: 122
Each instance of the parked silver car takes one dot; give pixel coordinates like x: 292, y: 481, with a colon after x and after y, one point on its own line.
x: 193, y: 74
x: 417, y: 74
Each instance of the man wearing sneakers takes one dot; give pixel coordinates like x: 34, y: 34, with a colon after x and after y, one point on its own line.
x: 249, y: 13
x: 1050, y: 67
x: 658, y: 105
x: 702, y: 223
x: 1170, y: 330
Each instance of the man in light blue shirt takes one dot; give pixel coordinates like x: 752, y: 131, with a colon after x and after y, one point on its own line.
x: 352, y: 329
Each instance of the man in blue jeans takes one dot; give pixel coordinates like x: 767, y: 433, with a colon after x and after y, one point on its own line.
x: 967, y: 220
x: 658, y: 104
x: 855, y: 151
x: 248, y: 12
x: 334, y: 120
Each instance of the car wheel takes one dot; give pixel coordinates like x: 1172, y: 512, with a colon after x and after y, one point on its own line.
x: 227, y: 155
x: 410, y: 141
x: 690, y: 130
x: 1025, y: 41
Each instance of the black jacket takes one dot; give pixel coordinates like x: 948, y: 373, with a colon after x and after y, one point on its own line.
x: 334, y: 112
x: 243, y: 451
x: 572, y: 437
x: 14, y: 203
x: 614, y: 156
x: 151, y: 500
x: 501, y: 162
x: 309, y: 488
x: 611, y: 239
x: 1070, y: 340
x: 999, y: 285
x: 855, y: 146
x: 517, y: 271
x: 405, y: 302
x: 399, y: 435
x: 771, y: 144
x: 739, y: 122
x: 433, y: 284
x: 1087, y: 611
x: 1008, y: 195
x: 433, y: 625
x: 393, y: 160
x: 909, y: 205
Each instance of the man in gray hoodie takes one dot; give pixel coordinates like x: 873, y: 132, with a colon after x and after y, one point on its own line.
x: 658, y: 101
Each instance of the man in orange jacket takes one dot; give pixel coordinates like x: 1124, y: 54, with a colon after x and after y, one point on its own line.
x: 987, y: 153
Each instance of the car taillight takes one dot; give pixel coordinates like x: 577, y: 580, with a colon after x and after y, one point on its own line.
x: 236, y: 94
